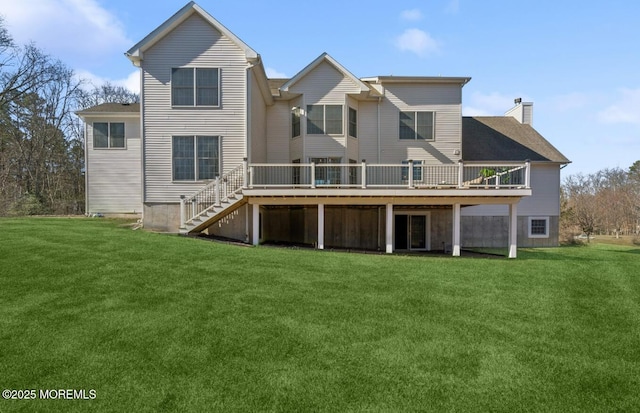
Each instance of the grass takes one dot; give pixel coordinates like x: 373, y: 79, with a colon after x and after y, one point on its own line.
x: 164, y: 323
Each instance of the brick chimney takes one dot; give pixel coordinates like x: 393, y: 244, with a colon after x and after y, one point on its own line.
x: 522, y: 111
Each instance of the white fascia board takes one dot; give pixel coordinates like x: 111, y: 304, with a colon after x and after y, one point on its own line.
x: 322, y: 58
x: 417, y: 79
x: 90, y: 115
x: 135, y: 53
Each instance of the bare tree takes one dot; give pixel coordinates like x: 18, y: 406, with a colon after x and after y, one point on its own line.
x: 607, y: 201
x: 106, y: 93
x: 38, y: 168
x: 582, y: 204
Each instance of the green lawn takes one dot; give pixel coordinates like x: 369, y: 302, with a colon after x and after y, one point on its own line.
x: 165, y: 323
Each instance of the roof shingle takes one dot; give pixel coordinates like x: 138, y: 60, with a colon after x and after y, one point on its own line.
x: 113, y: 108
x: 503, y: 138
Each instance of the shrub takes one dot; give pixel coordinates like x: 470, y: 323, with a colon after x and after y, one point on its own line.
x: 28, y: 204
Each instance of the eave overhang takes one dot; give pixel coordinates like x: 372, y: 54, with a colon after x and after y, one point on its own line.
x: 417, y: 80
x: 136, y: 53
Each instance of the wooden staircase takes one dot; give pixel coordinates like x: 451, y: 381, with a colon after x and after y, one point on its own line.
x: 214, y: 201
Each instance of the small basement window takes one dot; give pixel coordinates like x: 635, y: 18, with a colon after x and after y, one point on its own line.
x: 538, y: 227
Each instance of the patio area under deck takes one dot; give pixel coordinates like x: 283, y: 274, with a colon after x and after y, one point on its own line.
x: 410, y: 184
x: 389, y: 199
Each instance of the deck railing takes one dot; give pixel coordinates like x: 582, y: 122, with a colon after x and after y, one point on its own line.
x: 502, y: 175
x: 213, y: 194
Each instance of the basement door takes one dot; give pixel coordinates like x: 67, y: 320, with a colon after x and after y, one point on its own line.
x: 411, y: 232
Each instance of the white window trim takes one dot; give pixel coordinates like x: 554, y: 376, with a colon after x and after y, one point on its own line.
x: 324, y: 120
x: 546, y: 235
x: 349, y: 122
x: 108, y: 147
x: 297, y: 113
x: 195, y: 160
x: 195, y: 89
x: 415, y: 125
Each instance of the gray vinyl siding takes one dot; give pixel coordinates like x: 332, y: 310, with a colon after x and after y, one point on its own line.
x: 114, y: 177
x: 544, y: 201
x: 258, y: 122
x: 444, y: 100
x: 194, y: 43
x: 325, y: 85
x: 279, y: 132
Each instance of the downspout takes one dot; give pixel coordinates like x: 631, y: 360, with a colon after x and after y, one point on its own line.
x: 247, y: 125
x: 142, y: 146
x: 86, y: 167
x: 379, y: 123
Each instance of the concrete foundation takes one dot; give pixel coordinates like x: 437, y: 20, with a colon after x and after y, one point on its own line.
x: 493, y: 232
x: 162, y: 217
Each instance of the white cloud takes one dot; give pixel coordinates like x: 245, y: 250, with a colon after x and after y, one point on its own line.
x: 625, y: 110
x: 274, y: 74
x: 492, y: 104
x: 131, y: 82
x: 71, y: 30
x: 411, y: 15
x: 418, y: 42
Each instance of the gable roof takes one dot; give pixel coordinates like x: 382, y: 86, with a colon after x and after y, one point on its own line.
x: 136, y: 53
x: 503, y: 138
x: 324, y: 57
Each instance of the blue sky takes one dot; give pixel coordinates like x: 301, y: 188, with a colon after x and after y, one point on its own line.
x: 577, y: 61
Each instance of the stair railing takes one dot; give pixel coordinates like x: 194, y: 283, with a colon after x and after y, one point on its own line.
x: 213, y: 194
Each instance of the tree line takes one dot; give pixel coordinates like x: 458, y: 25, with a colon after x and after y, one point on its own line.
x: 606, y: 202
x: 41, y: 139
x: 42, y: 148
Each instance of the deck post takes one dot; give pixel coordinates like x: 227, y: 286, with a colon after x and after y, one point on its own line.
x: 460, y: 174
x: 216, y: 191
x: 313, y: 175
x: 183, y: 213
x: 320, y: 226
x: 364, y: 174
x: 513, y: 230
x: 456, y: 230
x: 255, y: 233
x: 410, y: 173
x: 389, y: 229
x: 527, y: 174
x: 245, y: 173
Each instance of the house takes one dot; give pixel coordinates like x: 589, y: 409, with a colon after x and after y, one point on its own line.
x: 324, y: 158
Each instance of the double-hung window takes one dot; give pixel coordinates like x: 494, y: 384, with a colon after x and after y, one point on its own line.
x: 417, y: 125
x: 196, y: 158
x: 108, y: 135
x: 353, y: 122
x: 195, y: 86
x: 295, y: 123
x: 324, y: 119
